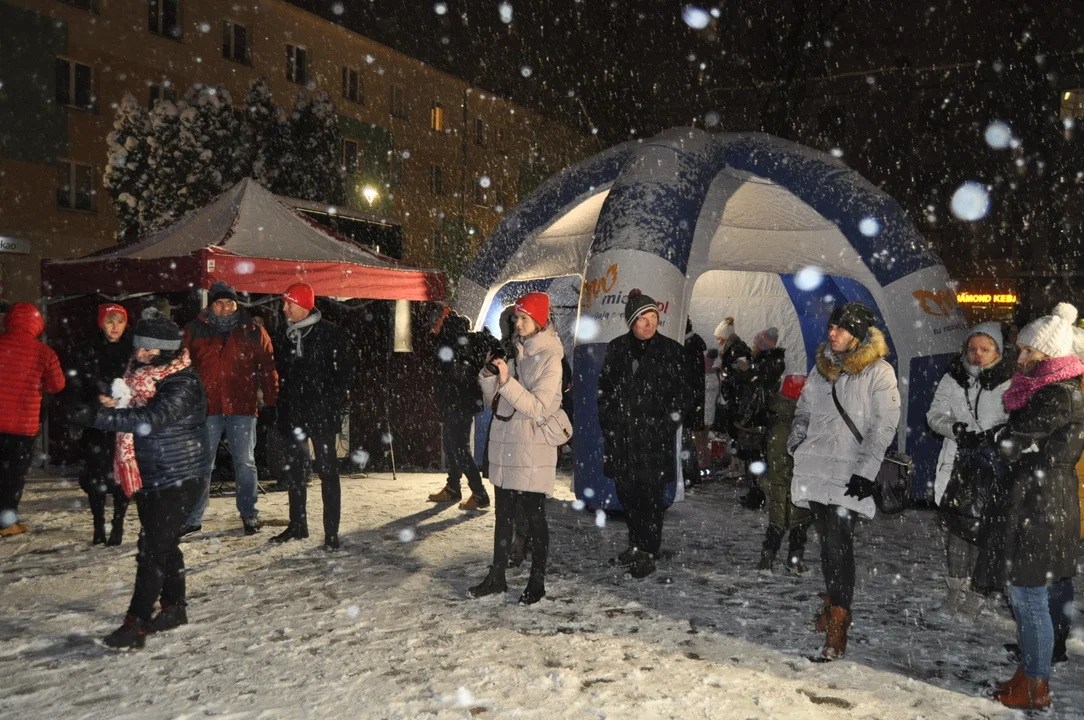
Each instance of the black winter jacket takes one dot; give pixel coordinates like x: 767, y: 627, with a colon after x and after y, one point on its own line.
x: 1031, y: 532
x: 732, y: 378
x: 313, y: 386
x: 459, y: 359
x: 170, y: 433
x: 94, y: 366
x: 640, y: 406
x: 695, y: 348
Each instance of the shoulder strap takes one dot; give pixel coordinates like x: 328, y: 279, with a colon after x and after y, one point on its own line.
x: 846, y: 418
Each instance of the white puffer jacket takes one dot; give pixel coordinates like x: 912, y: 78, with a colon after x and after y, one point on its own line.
x: 826, y: 453
x: 519, y: 457
x: 976, y: 401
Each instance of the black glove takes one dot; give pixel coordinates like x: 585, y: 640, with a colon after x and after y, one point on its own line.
x: 859, y: 487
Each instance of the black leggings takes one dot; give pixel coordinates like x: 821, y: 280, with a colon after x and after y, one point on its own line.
x: 835, y: 525
x: 533, y: 506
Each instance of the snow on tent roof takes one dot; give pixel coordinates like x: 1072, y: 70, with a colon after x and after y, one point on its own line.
x: 249, y: 221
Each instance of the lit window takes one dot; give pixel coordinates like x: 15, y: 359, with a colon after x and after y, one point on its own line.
x: 436, y: 117
x: 1072, y: 104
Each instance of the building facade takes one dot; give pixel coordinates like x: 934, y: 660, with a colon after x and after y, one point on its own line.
x: 423, y: 149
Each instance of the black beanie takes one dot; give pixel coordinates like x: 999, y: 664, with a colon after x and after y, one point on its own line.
x: 221, y: 291
x: 156, y: 331
x: 855, y: 318
x: 637, y: 305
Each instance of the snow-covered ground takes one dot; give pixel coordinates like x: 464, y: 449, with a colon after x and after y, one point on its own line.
x: 383, y: 628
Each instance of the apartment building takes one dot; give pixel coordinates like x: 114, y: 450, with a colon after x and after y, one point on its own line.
x: 423, y: 149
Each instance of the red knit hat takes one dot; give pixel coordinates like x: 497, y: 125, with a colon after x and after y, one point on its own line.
x: 301, y: 294
x: 536, y: 306
x: 106, y: 309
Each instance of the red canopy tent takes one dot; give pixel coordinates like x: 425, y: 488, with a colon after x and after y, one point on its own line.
x: 251, y: 240
x: 260, y: 244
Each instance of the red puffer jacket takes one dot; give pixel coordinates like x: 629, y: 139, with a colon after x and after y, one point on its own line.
x: 29, y: 366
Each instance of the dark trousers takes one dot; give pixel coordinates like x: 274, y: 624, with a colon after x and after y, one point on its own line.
x: 835, y: 525
x: 1061, y: 606
x: 532, y: 506
x: 97, y: 482
x: 644, y: 510
x: 159, y: 562
x: 456, y: 437
x: 327, y: 467
x: 15, y: 455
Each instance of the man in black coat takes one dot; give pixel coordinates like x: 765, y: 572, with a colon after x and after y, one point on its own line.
x: 695, y: 350
x: 315, y: 361
x: 642, y: 395
x: 459, y: 359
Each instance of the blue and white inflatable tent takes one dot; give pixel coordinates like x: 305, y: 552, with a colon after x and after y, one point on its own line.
x: 715, y: 225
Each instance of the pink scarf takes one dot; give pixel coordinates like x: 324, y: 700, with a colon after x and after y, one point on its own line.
x: 143, y: 380
x: 1047, y: 372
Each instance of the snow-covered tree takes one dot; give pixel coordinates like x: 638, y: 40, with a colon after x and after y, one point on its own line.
x: 266, y: 136
x: 208, y: 144
x: 165, y: 200
x: 313, y: 163
x: 126, y: 175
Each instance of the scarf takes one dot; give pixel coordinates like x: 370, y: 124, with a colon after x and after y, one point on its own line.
x: 222, y: 324
x: 1047, y: 372
x: 297, y: 331
x: 143, y: 382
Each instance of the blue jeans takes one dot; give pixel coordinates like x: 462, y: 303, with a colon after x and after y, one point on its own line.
x: 241, y: 435
x: 1034, y: 628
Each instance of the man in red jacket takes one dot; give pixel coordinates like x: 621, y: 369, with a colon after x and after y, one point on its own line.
x: 29, y: 366
x: 234, y: 359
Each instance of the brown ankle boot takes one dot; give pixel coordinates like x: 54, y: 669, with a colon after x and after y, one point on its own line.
x: 821, y: 623
x: 1029, y: 694
x: 1004, y: 688
x: 835, y: 643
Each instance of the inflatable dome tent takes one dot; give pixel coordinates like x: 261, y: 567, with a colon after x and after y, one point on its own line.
x: 711, y: 225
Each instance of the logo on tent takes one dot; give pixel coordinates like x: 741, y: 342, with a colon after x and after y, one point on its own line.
x: 945, y: 300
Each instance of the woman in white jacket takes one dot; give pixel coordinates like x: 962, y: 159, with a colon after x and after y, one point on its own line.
x: 966, y: 411
x: 833, y: 471
x: 522, y: 465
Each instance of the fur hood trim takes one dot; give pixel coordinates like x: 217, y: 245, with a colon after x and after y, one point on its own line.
x: 870, y: 351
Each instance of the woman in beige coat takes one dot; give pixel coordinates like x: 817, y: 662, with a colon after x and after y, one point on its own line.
x: 523, y: 392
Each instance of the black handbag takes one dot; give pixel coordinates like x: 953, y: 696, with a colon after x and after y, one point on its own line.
x: 963, y: 504
x: 892, y: 486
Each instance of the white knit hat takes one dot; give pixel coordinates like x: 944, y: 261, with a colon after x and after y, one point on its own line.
x: 1051, y: 335
x: 725, y: 329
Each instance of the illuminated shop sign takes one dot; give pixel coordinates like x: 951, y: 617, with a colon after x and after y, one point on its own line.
x: 985, y: 298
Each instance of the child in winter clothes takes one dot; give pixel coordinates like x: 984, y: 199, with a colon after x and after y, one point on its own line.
x: 783, y: 515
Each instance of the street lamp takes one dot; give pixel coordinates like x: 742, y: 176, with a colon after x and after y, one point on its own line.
x: 370, y: 194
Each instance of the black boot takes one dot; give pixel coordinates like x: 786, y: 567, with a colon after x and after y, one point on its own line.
x: 96, y: 501
x: 1060, y: 654
x: 172, y: 616
x: 493, y: 584
x: 773, y: 538
x: 130, y: 636
x: 116, y: 532
x: 796, y: 555
x: 292, y: 532
x: 535, y: 590
x: 755, y: 499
